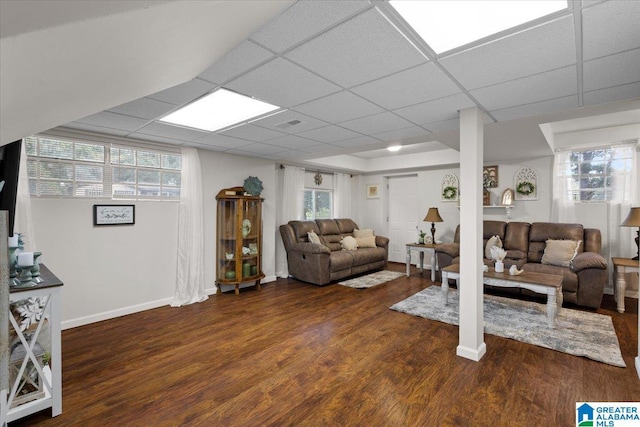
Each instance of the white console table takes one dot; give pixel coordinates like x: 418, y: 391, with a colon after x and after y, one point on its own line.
x: 35, y: 378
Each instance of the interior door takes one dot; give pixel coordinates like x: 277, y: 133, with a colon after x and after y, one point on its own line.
x: 403, y: 215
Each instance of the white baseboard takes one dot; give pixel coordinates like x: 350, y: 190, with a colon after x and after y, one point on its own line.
x: 474, y: 354
x: 106, y: 315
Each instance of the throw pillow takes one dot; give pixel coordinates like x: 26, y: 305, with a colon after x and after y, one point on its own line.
x: 365, y: 232
x: 349, y: 243
x: 366, y: 242
x: 560, y: 252
x: 493, y: 241
x: 313, y: 237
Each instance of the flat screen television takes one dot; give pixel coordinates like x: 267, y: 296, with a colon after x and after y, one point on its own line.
x: 9, y: 169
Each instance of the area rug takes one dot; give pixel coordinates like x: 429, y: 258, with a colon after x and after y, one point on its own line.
x: 578, y: 333
x: 373, y: 279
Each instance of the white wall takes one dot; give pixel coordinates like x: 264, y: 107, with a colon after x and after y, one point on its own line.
x: 111, y: 271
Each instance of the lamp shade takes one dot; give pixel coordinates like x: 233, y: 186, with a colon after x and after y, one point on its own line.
x: 633, y: 220
x: 433, y: 216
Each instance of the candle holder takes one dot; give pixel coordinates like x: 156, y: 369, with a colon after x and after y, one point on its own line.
x: 13, y: 260
x: 35, y: 270
x: 24, y: 276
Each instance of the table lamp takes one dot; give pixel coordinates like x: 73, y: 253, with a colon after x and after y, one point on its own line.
x: 433, y: 216
x: 633, y: 220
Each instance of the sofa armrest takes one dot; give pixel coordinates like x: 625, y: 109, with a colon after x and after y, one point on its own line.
x: 382, y: 241
x: 310, y: 248
x: 451, y: 249
x: 586, y: 260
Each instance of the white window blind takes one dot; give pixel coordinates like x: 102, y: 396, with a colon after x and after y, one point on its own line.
x: 68, y: 168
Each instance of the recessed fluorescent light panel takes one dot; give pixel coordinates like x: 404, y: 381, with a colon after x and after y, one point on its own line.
x: 445, y: 25
x: 219, y: 110
x: 394, y: 148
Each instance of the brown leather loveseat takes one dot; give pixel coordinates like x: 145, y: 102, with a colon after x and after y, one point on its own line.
x: 325, y: 262
x: 583, y: 281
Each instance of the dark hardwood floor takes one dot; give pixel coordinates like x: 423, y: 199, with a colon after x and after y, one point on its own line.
x: 298, y: 354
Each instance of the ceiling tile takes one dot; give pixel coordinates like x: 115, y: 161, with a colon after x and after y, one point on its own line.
x: 292, y: 141
x: 278, y: 122
x: 362, y: 49
x: 399, y: 134
x: 610, y: 27
x: 436, y: 110
x: 282, y: 83
x: 536, y: 108
x: 329, y: 134
x: 168, y: 131
x: 252, y: 133
x: 339, y: 107
x: 377, y: 123
x: 221, y: 141
x: 611, y: 94
x: 259, y: 148
x: 539, y: 87
x: 419, y: 84
x: 114, y: 121
x: 239, y: 60
x: 155, y: 138
x: 357, y: 142
x: 184, y: 93
x: 443, y: 125
x: 144, y: 108
x: 96, y: 129
x: 321, y: 148
x: 614, y: 70
x: 303, y: 20
x: 542, y: 48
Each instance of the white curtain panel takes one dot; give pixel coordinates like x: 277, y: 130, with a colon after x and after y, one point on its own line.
x: 624, y: 182
x: 190, y: 268
x: 342, y: 195
x: 290, y: 208
x: 562, y: 206
x: 23, y: 220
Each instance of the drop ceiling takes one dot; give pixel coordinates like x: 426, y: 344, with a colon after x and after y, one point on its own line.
x: 353, y: 78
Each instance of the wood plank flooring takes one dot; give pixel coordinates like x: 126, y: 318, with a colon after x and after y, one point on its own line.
x: 301, y: 355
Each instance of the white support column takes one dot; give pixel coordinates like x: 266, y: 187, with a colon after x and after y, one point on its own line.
x: 471, y: 344
x: 638, y: 357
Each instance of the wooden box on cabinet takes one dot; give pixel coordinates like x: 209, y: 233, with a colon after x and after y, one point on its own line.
x: 239, y: 239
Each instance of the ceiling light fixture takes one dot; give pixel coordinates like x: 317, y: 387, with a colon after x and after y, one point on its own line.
x: 446, y: 24
x: 219, y: 110
x: 394, y: 148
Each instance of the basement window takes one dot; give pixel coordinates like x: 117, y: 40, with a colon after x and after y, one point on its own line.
x: 60, y: 167
x: 599, y: 175
x: 318, y: 204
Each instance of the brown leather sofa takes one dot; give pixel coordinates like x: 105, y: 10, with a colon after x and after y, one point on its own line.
x: 324, y: 263
x: 583, y: 282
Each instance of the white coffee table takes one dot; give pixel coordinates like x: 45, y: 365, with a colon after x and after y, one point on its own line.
x: 542, y: 283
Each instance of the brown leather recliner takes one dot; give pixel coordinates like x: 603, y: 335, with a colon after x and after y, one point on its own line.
x: 583, y: 282
x: 324, y: 263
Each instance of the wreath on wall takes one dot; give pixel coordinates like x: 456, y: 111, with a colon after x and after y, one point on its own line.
x: 525, y: 188
x: 449, y: 193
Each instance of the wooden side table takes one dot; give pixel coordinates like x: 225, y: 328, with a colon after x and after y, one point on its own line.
x: 620, y: 267
x: 422, y: 248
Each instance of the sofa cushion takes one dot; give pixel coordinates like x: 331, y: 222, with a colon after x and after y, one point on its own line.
x: 340, y: 260
x: 301, y: 230
x: 349, y: 243
x: 560, y: 252
x: 345, y: 225
x: 364, y: 256
x: 313, y: 237
x: 366, y: 242
x: 493, y: 241
x: 540, y: 232
x: 365, y: 232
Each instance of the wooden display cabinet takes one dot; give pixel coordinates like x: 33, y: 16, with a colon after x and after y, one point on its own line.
x: 239, y: 239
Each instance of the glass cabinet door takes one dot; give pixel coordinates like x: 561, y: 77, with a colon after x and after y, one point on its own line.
x: 226, y: 250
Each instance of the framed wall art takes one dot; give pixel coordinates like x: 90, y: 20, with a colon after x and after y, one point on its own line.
x: 373, y: 191
x: 114, y: 214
